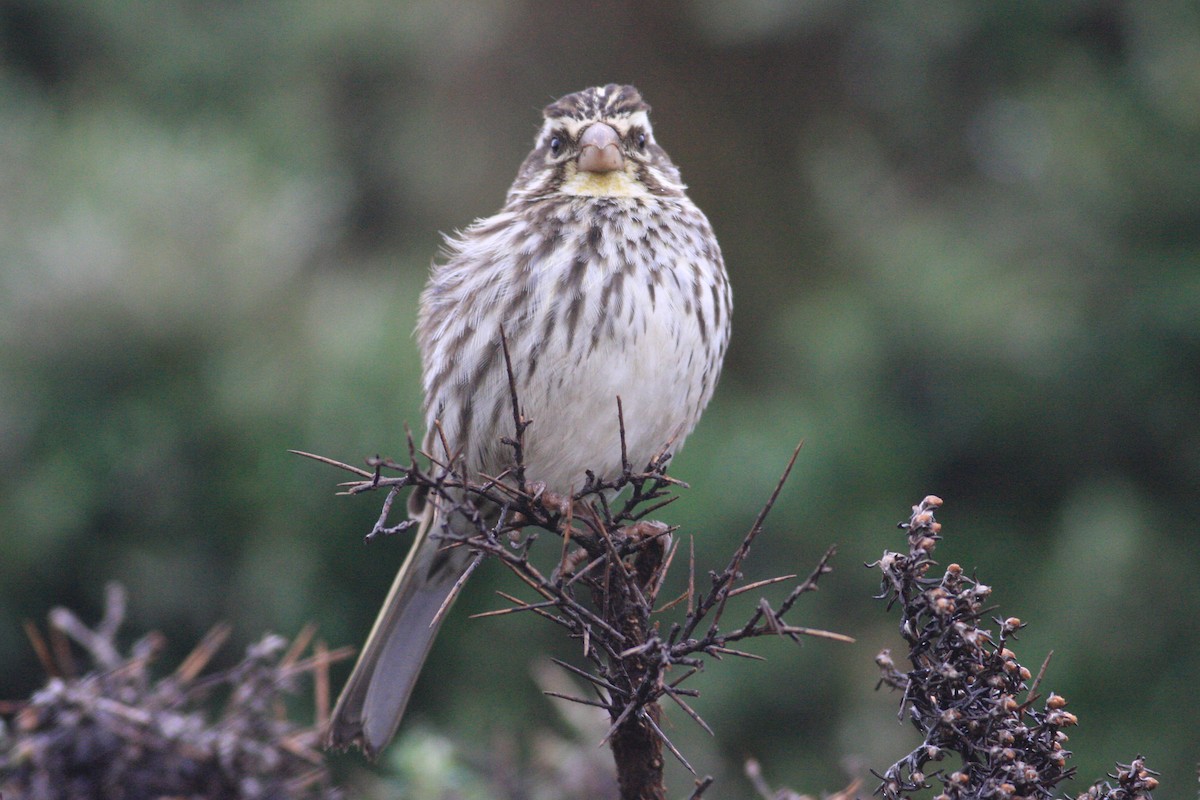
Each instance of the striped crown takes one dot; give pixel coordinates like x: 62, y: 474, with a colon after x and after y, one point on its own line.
x: 599, y: 102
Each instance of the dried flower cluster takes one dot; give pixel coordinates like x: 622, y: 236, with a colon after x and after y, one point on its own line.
x: 116, y: 732
x: 604, y: 590
x: 1133, y: 782
x: 967, y: 693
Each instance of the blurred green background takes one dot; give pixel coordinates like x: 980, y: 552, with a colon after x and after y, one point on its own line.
x: 964, y: 240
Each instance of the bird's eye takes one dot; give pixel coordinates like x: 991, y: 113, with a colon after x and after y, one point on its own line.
x: 641, y: 141
x: 555, y: 145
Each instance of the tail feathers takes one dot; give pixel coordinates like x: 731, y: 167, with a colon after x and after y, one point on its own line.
x: 373, y: 701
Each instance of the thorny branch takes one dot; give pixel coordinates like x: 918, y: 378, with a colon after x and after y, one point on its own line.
x: 605, y: 588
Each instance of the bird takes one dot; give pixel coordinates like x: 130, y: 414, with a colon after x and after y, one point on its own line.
x: 603, y: 280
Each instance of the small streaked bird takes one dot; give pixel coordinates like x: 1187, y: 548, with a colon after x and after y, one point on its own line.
x: 607, y: 281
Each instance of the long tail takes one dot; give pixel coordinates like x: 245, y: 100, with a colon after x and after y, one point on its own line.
x: 373, y: 701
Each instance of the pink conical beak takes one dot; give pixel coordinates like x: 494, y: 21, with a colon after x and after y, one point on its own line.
x: 600, y: 149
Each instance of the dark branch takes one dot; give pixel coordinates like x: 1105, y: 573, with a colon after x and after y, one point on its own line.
x: 612, y: 565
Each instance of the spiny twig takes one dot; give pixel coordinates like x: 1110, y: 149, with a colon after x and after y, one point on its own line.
x: 611, y: 566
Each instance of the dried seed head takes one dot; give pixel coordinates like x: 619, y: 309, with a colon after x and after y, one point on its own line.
x: 1062, y: 718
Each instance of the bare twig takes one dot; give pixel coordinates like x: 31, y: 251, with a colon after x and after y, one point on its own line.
x: 701, y: 786
x: 611, y: 566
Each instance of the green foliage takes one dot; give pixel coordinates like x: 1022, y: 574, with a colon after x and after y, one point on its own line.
x: 965, y: 250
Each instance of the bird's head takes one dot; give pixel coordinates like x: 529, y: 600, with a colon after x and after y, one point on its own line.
x: 598, y: 143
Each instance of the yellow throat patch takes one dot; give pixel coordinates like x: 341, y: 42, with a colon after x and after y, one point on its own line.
x: 604, y: 184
